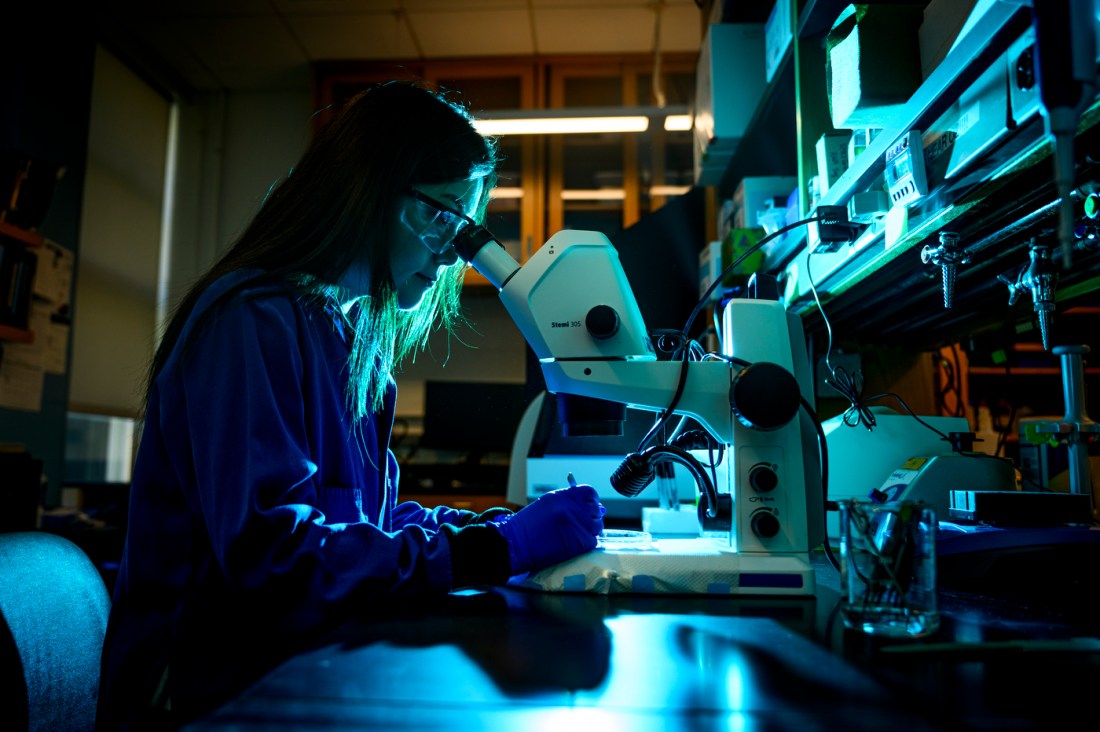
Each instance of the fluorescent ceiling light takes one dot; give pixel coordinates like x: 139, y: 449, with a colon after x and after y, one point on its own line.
x: 574, y: 121
x: 596, y: 194
x: 668, y: 190
x: 507, y: 192
x: 677, y: 122
x: 561, y: 125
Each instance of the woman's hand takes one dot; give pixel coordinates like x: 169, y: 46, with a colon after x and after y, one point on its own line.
x: 557, y: 526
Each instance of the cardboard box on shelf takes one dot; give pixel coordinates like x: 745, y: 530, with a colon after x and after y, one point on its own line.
x: 778, y: 34
x: 832, y: 159
x: 872, y: 64
x: 752, y: 194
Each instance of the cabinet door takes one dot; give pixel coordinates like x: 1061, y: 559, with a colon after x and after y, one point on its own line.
x: 607, y: 182
x: 552, y: 182
x: 515, y: 214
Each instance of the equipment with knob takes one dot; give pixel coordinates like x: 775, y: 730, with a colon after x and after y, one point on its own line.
x: 762, y: 478
x: 602, y: 322
x: 764, y: 523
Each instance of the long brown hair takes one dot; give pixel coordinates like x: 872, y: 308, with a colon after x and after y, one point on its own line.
x: 338, y: 203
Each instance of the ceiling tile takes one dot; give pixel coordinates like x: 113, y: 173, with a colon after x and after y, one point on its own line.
x: 612, y: 30
x: 247, y: 44
x: 473, y: 33
x: 187, y: 8
x: 420, y: 6
x: 246, y: 53
x: 681, y: 28
x: 609, y: 4
x: 170, y: 45
x: 335, y: 7
x: 333, y: 37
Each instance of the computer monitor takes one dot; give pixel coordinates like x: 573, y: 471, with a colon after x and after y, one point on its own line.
x: 472, y: 417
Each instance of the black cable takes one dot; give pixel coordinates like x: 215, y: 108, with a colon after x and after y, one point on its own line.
x: 1002, y: 439
x: 668, y: 412
x: 850, y: 387
x: 956, y: 385
x: 1003, y: 434
x: 951, y: 382
x: 718, y: 280
x: 909, y: 411
x: 954, y: 448
x: 671, y: 408
x: 823, y: 450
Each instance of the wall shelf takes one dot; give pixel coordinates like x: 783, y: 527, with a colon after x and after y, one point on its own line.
x: 1023, y: 371
x: 1000, y: 200
x: 16, y: 335
x: 29, y: 238
x: 990, y: 37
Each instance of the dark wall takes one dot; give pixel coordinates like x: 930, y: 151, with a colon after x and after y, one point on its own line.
x: 46, y: 65
x: 660, y: 256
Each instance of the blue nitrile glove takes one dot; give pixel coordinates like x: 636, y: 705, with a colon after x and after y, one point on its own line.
x: 557, y: 526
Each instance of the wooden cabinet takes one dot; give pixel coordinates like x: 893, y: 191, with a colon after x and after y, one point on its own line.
x: 549, y: 183
x: 515, y: 214
x: 607, y: 182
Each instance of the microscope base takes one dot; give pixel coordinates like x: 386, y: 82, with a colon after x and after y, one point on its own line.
x: 678, y: 566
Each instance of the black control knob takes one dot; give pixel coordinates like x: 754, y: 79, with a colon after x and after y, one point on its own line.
x: 764, y: 396
x: 764, y: 523
x: 762, y: 478
x: 602, y: 322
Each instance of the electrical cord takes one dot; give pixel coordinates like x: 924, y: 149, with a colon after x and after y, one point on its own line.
x: 683, y: 334
x: 637, y: 465
x: 1002, y: 438
x: 850, y: 387
x: 952, y: 381
x: 823, y: 451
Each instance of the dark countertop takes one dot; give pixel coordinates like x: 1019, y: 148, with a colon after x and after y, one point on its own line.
x: 504, y: 658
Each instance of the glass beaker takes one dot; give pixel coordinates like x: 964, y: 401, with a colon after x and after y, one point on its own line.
x: 888, y: 568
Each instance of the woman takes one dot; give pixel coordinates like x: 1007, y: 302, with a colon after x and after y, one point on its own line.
x: 264, y: 503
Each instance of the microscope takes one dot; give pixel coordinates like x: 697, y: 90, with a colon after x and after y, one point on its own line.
x: 762, y: 505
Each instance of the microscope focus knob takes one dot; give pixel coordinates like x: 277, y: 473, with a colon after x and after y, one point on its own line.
x: 764, y: 396
x: 602, y: 322
x: 762, y: 478
x: 764, y: 523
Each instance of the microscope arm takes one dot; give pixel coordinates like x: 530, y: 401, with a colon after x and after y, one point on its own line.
x: 575, y: 308
x: 650, y: 386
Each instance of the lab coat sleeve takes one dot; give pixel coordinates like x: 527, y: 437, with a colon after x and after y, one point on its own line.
x: 255, y: 483
x: 411, y: 513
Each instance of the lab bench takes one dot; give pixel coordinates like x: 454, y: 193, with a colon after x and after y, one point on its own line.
x: 508, y: 658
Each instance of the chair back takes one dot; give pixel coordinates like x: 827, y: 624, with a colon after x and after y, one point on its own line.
x: 53, y: 617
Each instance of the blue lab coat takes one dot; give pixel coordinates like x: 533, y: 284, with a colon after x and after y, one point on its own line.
x: 261, y: 512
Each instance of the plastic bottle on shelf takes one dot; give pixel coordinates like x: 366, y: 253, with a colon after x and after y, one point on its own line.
x: 987, y: 437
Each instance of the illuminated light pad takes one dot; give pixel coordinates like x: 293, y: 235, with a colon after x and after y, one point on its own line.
x: 677, y: 566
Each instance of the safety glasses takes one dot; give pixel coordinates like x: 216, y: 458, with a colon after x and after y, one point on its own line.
x: 436, y: 223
